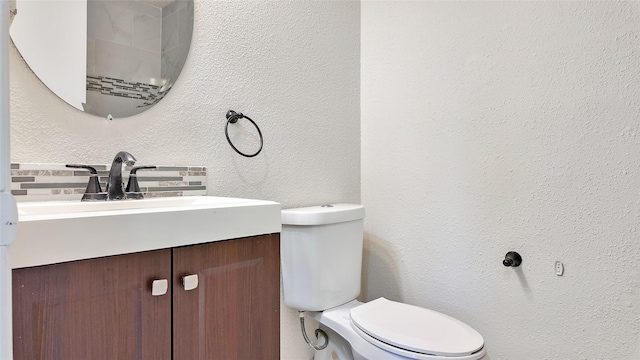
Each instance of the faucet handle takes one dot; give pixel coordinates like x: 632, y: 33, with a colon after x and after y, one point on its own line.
x: 93, y: 190
x: 133, y: 189
x: 136, y: 168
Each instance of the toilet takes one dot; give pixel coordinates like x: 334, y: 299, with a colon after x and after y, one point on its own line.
x: 321, y: 254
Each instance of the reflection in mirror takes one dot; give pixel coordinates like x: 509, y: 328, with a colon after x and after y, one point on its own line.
x: 128, y: 53
x: 51, y: 37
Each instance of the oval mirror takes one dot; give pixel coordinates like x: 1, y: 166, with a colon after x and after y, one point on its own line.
x: 111, y: 58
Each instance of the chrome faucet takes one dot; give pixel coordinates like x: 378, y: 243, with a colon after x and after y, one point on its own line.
x: 115, y: 187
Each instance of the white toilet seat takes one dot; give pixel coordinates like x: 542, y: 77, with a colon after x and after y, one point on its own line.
x: 364, y: 346
x: 414, y: 332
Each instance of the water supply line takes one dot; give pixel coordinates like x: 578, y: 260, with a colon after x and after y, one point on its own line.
x: 8, y: 208
x: 318, y: 332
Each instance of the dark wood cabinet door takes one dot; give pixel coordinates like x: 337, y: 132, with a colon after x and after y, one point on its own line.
x: 234, y: 313
x: 98, y: 309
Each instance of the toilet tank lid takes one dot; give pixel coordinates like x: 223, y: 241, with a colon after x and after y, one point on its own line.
x: 322, y: 214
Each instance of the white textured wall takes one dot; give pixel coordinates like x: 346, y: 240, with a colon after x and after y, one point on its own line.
x: 293, y: 67
x: 497, y: 126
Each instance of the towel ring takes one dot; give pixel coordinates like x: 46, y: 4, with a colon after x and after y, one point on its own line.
x: 232, y: 118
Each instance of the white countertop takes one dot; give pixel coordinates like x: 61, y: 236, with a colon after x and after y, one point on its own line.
x: 54, y: 232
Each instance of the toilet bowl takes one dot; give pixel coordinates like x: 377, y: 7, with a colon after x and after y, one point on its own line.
x: 388, y: 330
x: 321, y: 254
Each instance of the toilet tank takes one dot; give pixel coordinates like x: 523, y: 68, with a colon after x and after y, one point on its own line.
x: 321, y: 255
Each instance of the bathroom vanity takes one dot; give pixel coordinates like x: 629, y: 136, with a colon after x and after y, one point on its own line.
x: 213, y: 294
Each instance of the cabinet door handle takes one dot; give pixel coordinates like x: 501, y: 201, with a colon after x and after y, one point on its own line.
x: 159, y: 287
x: 190, y: 282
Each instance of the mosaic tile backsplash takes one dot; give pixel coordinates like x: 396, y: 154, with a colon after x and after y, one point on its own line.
x: 46, y: 182
x: 148, y: 94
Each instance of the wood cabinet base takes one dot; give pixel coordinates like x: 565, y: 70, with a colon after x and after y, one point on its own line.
x: 103, y: 309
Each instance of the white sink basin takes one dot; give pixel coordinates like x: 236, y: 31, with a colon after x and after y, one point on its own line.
x: 76, y: 208
x: 58, y: 231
